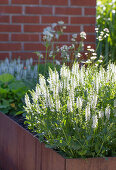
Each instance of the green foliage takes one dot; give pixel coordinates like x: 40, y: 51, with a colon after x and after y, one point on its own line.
x: 11, y: 93
x: 74, y: 111
x: 106, y: 18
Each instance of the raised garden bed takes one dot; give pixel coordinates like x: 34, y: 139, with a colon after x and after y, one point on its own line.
x: 20, y: 150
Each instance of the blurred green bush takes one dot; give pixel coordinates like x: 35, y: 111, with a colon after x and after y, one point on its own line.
x: 106, y: 18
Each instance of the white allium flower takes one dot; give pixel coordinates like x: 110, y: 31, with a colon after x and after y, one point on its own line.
x: 95, y: 121
x: 83, y: 35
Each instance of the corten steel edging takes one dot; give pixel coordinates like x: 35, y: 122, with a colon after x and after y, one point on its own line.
x: 20, y: 150
x: 91, y: 164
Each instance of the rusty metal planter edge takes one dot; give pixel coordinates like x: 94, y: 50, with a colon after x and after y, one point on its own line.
x: 20, y: 150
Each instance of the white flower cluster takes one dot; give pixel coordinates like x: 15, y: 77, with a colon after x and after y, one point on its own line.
x: 50, y: 33
x: 83, y: 35
x: 63, y: 91
x: 19, y: 69
x: 103, y: 34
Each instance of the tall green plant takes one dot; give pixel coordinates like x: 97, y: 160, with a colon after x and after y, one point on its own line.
x: 106, y: 18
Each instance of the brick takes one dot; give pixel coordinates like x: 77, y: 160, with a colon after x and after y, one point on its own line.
x: 38, y: 10
x: 4, y: 55
x: 89, y: 29
x: 83, y: 2
x: 90, y: 11
x: 10, y: 47
x: 54, y: 2
x: 4, y: 37
x: 10, y: 10
x: 25, y: 2
x: 10, y: 28
x: 34, y: 28
x: 3, y: 1
x: 4, y: 19
x: 25, y: 19
x: 72, y: 29
x: 52, y: 19
x: 34, y: 47
x: 90, y: 38
x: 83, y: 20
x: 25, y: 37
x: 24, y: 55
x: 68, y: 11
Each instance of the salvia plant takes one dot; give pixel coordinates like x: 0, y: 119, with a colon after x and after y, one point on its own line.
x: 74, y: 111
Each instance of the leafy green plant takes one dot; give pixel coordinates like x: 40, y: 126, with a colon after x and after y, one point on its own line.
x: 11, y: 94
x: 106, y: 18
x: 75, y: 111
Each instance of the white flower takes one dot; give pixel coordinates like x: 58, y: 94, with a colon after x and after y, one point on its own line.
x: 106, y: 30
x: 107, y: 112
x: 51, y: 54
x: 57, y: 62
x: 73, y: 39
x: 95, y: 121
x: 54, y: 25
x: 88, y: 47
x: 27, y: 101
x: 74, y: 36
x: 101, y: 114
x: 94, y: 100
x: 87, y: 112
x: 70, y: 105
x: 83, y: 35
x: 64, y: 27
x: 79, y: 102
x: 100, y: 61
x: 57, y: 104
x: 93, y: 57
x: 60, y: 22
x: 78, y: 55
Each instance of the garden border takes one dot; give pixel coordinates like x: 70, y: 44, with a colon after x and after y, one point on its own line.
x: 20, y: 150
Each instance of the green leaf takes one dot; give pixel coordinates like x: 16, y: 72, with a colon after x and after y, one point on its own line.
x: 16, y: 85
x: 3, y: 91
x: 19, y: 113
x: 5, y: 78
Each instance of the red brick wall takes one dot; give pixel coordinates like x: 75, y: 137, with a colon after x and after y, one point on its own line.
x: 22, y: 23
